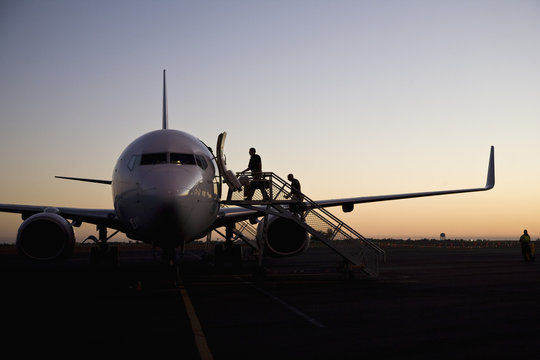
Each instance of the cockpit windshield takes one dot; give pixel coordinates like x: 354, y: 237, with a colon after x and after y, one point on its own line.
x: 167, y: 158
x: 153, y: 159
x: 182, y: 159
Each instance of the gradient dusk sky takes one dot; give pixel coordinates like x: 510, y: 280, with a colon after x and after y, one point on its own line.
x: 356, y: 98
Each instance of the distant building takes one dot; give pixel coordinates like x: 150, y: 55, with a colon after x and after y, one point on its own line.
x: 443, y: 236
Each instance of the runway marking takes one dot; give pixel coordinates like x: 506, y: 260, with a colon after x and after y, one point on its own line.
x: 200, y: 338
x: 283, y: 303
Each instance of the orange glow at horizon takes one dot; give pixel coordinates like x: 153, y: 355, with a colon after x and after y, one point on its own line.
x: 371, y: 103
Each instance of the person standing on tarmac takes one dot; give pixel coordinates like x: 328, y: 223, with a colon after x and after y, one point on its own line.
x: 525, y: 241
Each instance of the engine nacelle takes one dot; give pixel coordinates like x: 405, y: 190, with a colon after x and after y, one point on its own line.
x: 282, y: 237
x: 45, y: 237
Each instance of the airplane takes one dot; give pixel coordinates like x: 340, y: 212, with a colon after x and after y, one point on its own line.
x: 166, y: 192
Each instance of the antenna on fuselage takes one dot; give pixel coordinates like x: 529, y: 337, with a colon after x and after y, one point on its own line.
x: 165, y: 111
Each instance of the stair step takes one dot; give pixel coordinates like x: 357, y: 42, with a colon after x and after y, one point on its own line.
x: 360, y: 252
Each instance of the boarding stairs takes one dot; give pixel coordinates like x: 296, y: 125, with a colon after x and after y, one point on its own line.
x: 270, y: 195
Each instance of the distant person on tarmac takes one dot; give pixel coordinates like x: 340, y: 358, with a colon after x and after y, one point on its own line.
x: 525, y: 241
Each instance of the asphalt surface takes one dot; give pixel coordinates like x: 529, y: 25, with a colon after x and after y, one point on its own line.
x: 427, y: 303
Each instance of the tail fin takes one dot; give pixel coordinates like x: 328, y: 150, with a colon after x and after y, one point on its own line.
x: 165, y: 111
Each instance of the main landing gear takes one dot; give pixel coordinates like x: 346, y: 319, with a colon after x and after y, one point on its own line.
x: 229, y: 253
x: 101, y: 254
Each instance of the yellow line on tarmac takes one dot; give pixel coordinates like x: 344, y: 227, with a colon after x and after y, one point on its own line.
x: 200, y: 338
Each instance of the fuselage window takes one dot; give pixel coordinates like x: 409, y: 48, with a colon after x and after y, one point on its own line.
x: 153, y: 159
x: 182, y: 159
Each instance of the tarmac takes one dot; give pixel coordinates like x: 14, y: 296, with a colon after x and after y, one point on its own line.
x: 427, y: 303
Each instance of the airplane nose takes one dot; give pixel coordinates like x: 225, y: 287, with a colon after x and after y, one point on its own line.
x: 170, y: 182
x: 172, y: 190
x: 167, y: 210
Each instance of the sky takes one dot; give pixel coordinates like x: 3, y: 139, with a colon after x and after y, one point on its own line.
x: 356, y: 98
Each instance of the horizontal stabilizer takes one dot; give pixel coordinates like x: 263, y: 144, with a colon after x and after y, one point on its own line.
x: 107, y: 182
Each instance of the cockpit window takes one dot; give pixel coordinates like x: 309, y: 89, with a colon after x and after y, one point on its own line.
x: 153, y: 159
x: 182, y: 159
x: 167, y: 158
x: 201, y: 161
x: 133, y: 161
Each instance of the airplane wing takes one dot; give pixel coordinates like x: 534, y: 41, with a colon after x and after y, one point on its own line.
x: 78, y: 215
x: 348, y: 203
x: 234, y: 214
x: 231, y: 215
x: 228, y: 216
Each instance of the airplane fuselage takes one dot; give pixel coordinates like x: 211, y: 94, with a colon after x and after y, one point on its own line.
x: 164, y: 188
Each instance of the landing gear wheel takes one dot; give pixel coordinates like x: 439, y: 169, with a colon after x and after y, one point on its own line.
x: 104, y: 256
x: 112, y: 256
x: 219, y: 256
x: 236, y: 254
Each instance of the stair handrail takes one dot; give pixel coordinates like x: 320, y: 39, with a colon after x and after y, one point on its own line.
x: 277, y: 198
x: 314, y: 206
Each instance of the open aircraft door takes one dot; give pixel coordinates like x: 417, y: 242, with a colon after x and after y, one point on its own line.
x: 228, y: 176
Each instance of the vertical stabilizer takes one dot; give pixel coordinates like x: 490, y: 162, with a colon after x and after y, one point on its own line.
x: 165, y: 111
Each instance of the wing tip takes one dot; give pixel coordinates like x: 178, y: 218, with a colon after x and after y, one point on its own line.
x: 490, y: 182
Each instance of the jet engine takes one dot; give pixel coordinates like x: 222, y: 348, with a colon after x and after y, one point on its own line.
x: 45, y: 236
x: 282, y: 237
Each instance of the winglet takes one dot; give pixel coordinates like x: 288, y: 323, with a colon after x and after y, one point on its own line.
x: 165, y: 112
x: 490, y: 183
